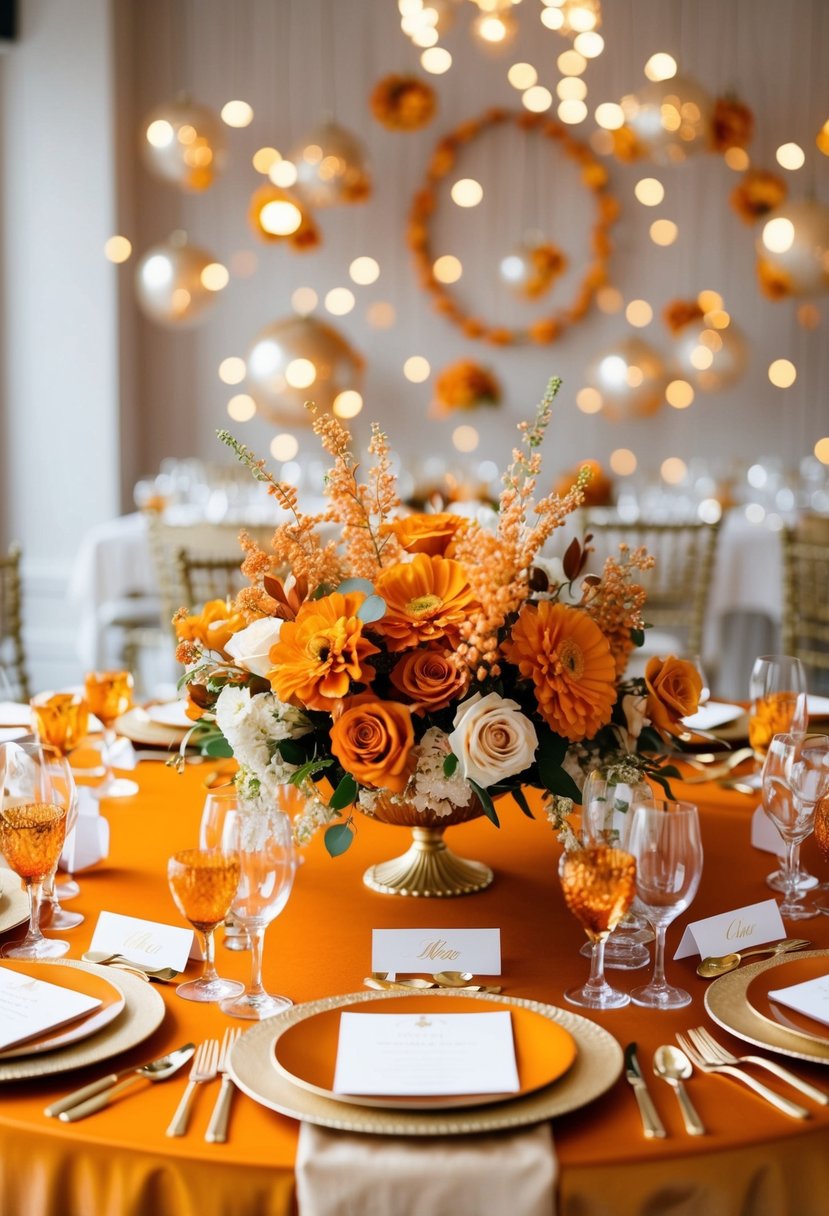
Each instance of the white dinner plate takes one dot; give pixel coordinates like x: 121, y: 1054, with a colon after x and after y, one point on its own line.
x: 172, y: 713
x: 15, y: 713
x: 715, y: 713
x: 818, y: 707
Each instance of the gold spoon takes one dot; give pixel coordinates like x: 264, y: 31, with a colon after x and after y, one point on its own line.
x: 716, y: 965
x: 454, y: 979
x: 714, y: 772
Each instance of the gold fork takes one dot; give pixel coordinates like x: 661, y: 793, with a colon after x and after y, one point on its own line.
x: 713, y: 1050
x: 205, y: 1063
x: 729, y: 1070
x: 217, y: 1128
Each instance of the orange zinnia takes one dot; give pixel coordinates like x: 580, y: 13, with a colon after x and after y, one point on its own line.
x: 426, y: 599
x: 322, y: 652
x: 214, y: 626
x: 567, y: 657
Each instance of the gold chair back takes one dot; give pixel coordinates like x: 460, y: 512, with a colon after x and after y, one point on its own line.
x: 806, y: 594
x: 209, y: 578
x: 12, y: 651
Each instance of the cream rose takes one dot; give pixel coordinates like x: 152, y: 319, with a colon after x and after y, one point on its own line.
x: 492, y: 739
x: 250, y: 647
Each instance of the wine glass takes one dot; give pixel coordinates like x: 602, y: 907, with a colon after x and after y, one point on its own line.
x: 795, y: 779
x: 61, y: 721
x: 268, y: 863
x: 36, y: 797
x: 664, y: 838
x: 203, y: 883
x: 598, y: 882
x: 109, y: 694
x: 216, y: 827
x: 606, y: 801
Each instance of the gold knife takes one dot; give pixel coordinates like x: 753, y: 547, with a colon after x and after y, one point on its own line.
x: 651, y: 1123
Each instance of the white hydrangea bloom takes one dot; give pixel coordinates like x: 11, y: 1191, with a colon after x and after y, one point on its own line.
x: 429, y: 789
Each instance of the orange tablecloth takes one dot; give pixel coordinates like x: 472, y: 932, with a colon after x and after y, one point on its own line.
x: 754, y: 1162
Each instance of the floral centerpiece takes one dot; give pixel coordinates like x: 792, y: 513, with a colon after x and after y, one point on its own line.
x: 419, y: 667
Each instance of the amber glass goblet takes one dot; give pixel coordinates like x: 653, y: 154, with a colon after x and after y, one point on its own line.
x: 203, y: 883
x: 61, y: 721
x: 599, y: 882
x: 109, y: 694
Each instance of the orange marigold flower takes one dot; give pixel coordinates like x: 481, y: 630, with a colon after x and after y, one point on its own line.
x: 679, y: 313
x: 732, y: 124
x: 429, y: 678
x: 322, y: 652
x: 213, y: 627
x: 426, y: 599
x: 373, y: 741
x: 403, y: 103
x: 568, y: 659
x: 421, y: 533
x: 758, y: 193
x: 774, y: 282
x: 465, y: 385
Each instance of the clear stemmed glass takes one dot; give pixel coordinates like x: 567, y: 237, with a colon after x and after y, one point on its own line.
x: 217, y: 826
x: 795, y: 778
x: 606, y: 802
x: 664, y: 837
x: 109, y: 694
x: 598, y: 882
x: 203, y: 883
x: 61, y: 721
x: 36, y: 796
x: 267, y: 862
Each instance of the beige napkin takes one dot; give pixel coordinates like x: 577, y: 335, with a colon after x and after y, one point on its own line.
x: 342, y: 1174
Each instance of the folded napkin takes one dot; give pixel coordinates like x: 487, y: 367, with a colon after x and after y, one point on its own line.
x: 340, y: 1174
x: 122, y: 755
x: 88, y: 842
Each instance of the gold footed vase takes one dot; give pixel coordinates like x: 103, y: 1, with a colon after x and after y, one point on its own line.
x: 428, y: 869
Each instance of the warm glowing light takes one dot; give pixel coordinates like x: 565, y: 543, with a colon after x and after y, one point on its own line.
x: 623, y: 462
x: 778, y: 234
x: 447, y: 268
x: 782, y: 373
x: 737, y: 159
x: 364, y: 271
x: 339, y: 301
x: 571, y: 88
x: 157, y: 270
x: 537, y: 99
x: 417, y: 369
x: 283, y: 173
x: 300, y: 373
x: 609, y: 299
x: 436, y: 60
x: 634, y: 375
x: 660, y: 66
x: 467, y: 192
x: 790, y: 156
x: 639, y: 313
x: 381, y: 314
x: 160, y: 133
x: 348, y: 403
x: 465, y: 438
x: 280, y: 217
x: 821, y: 449
x: 572, y: 111
x: 241, y: 408
x: 571, y: 63
x: 425, y: 36
x: 232, y: 370
x: 589, y: 43
x: 215, y: 276
x: 649, y: 191
x: 581, y: 19
x: 263, y: 159
x: 710, y: 511
x: 304, y: 300
x: 522, y: 76
x: 180, y: 300
x: 710, y: 301
x: 609, y: 115
x: 822, y: 138
x: 663, y: 232
x: 718, y: 318
x: 117, y: 249
x: 711, y: 339
x: 673, y: 470
x: 284, y: 447
x: 553, y: 18
x: 492, y: 28
x: 589, y: 400
x: 679, y: 394
x: 237, y: 114
x: 701, y: 357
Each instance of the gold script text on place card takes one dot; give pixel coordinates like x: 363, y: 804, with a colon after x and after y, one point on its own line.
x: 438, y: 949
x: 738, y: 928
x: 142, y: 941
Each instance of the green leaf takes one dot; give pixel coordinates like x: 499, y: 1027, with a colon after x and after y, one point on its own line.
x: 291, y: 751
x: 551, y: 752
x: 450, y: 763
x: 217, y: 745
x: 344, y: 794
x: 371, y: 609
x: 356, y: 584
x: 669, y: 770
x: 486, y: 803
x: 520, y: 798
x: 663, y: 781
x: 338, y: 838
x: 309, y: 770
x: 637, y: 636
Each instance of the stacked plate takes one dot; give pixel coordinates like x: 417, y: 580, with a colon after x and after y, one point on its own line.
x: 287, y: 1064
x: 156, y: 726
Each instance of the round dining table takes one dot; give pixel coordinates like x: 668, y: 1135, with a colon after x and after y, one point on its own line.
x: 753, y: 1161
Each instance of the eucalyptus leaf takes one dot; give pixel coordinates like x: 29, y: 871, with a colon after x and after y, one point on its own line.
x: 216, y: 746
x: 338, y: 838
x: 356, y: 584
x: 371, y: 609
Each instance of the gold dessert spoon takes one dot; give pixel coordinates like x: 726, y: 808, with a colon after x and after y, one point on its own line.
x: 716, y: 965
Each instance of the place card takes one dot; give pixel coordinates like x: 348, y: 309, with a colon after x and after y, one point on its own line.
x: 810, y: 998
x: 431, y: 950
x: 749, y: 926
x: 29, y: 1007
x: 764, y: 835
x: 143, y: 941
x: 408, y: 1054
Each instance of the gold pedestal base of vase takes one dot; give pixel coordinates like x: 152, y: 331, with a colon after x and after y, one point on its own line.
x: 428, y: 869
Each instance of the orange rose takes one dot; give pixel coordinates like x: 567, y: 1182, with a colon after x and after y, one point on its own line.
x: 214, y: 626
x: 373, y: 741
x: 429, y: 679
x: 427, y: 533
x: 674, y: 686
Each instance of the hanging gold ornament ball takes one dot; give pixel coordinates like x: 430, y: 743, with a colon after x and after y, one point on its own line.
x: 184, y: 144
x: 176, y: 283
x: 331, y: 167
x: 793, y: 250
x: 669, y: 118
x: 532, y: 267
x: 631, y: 378
x: 296, y: 360
x: 711, y: 359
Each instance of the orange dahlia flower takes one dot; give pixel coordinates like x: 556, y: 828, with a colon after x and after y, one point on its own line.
x: 421, y: 533
x: 429, y: 679
x: 322, y: 652
x: 568, y: 659
x: 373, y: 740
x: 214, y: 626
x: 426, y: 599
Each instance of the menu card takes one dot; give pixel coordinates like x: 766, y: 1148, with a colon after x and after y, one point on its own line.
x: 409, y: 1054
x: 810, y: 998
x: 29, y: 1007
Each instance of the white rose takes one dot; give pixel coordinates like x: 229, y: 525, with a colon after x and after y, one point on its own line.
x: 633, y: 707
x: 492, y: 739
x: 250, y: 648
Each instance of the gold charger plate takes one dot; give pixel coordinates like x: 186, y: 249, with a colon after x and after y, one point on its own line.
x: 137, y: 726
x: 14, y: 902
x: 143, y: 1013
x: 727, y: 1003
x: 598, y: 1064
x: 111, y: 998
x: 306, y: 1051
x: 792, y: 970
